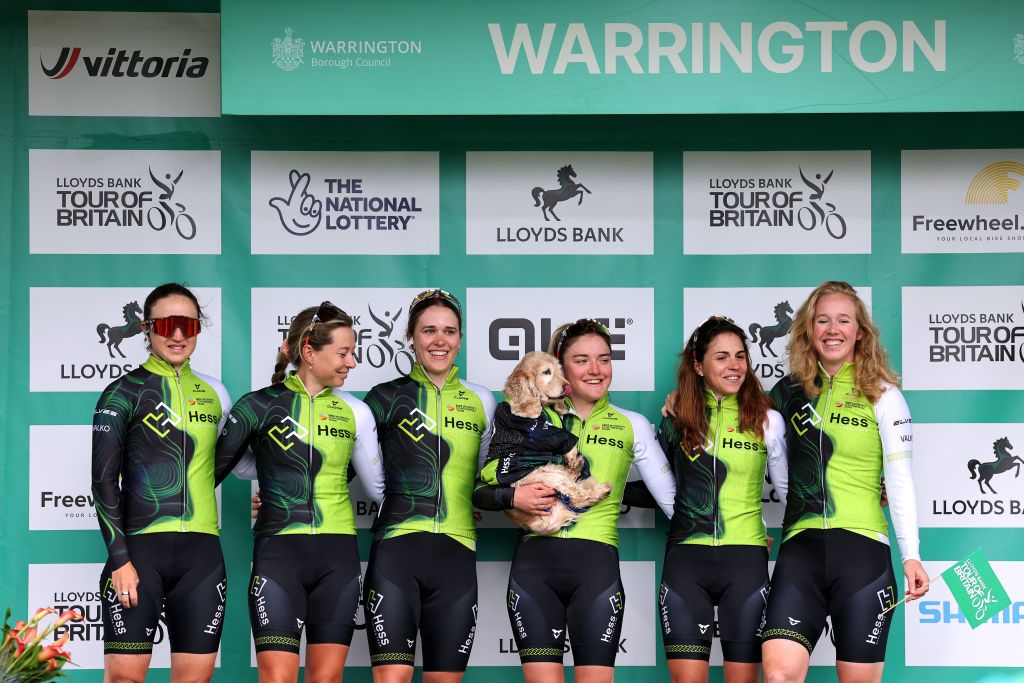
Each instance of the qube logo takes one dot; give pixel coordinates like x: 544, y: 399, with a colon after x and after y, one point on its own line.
x: 567, y: 189
x: 300, y: 212
x: 112, y: 336
x: 993, y: 184
x: 162, y: 420
x: 285, y: 431
x: 288, y: 53
x: 802, y: 421
x: 418, y: 421
x: 1004, y: 462
x: 513, y: 338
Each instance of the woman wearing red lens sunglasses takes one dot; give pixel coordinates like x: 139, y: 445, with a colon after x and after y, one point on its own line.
x: 154, y: 433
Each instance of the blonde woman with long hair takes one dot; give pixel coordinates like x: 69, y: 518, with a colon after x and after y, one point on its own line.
x: 847, y: 425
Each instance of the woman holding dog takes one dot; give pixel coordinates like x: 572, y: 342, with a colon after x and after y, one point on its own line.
x: 303, y: 433
x: 572, y: 578
x: 721, y: 434
x: 846, y: 424
x: 432, y: 427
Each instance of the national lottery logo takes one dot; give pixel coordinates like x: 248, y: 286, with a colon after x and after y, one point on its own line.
x: 567, y: 189
x: 288, y: 53
x: 344, y: 206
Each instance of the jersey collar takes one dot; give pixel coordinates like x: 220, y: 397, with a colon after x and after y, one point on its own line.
x: 729, y: 401
x: 158, y: 366
x: 295, y: 384
x: 601, y: 404
x: 845, y: 374
x: 419, y: 375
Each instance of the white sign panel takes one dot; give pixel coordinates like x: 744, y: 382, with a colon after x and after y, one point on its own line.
x: 83, y: 338
x: 505, y: 324
x: 968, y: 475
x: 495, y: 646
x: 76, y: 586
x: 937, y: 633
x: 961, y: 338
x: 560, y: 203
x: 777, y: 202
x: 123, y: 64
x: 345, y: 203
x: 962, y: 201
x: 124, y: 201
x: 380, y: 317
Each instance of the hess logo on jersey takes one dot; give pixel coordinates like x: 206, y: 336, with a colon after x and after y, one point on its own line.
x: 285, y: 431
x: 805, y: 418
x: 161, y: 420
x: 417, y: 425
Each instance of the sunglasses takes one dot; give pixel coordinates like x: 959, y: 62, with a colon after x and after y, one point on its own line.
x: 712, y: 323
x: 325, y: 312
x: 165, y: 327
x: 579, y: 328
x: 435, y: 294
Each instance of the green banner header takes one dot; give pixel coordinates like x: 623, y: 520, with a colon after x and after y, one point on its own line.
x: 576, y: 57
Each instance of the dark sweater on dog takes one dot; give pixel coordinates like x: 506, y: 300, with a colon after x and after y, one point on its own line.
x: 522, y: 444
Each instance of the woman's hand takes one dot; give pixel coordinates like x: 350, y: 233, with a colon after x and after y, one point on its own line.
x: 533, y: 499
x: 126, y: 585
x: 668, y: 409
x: 256, y: 503
x: 917, y: 579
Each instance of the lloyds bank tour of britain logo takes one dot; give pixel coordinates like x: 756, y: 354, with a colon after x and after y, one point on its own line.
x: 380, y: 341
x: 100, y: 202
x: 344, y: 206
x: 774, y: 202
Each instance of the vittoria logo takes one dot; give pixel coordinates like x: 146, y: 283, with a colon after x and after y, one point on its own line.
x: 286, y: 430
x: 1004, y: 462
x: 288, y: 53
x: 567, y: 188
x: 122, y: 63
x: 993, y: 184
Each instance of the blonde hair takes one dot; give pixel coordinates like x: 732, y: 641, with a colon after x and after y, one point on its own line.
x: 300, y: 334
x: 870, y: 362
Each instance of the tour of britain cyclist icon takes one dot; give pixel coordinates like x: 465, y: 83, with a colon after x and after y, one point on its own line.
x: 159, y: 217
x: 809, y: 220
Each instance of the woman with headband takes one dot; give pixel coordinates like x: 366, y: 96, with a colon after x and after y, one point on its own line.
x: 847, y: 424
x: 154, y: 432
x: 720, y: 436
x: 572, y: 578
x: 303, y: 432
x: 421, y: 578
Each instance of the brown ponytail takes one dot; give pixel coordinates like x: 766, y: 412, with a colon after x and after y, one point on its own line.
x: 300, y: 334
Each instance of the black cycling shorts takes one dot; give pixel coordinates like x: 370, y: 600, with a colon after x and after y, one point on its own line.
x: 179, y: 573
x: 837, y: 573
x: 559, y: 582
x: 303, y: 581
x: 695, y: 578
x: 421, y: 582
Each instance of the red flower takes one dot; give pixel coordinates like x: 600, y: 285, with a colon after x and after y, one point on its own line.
x: 65, y: 617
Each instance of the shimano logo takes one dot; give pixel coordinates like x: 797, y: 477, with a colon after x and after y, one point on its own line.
x: 120, y: 63
x: 513, y: 338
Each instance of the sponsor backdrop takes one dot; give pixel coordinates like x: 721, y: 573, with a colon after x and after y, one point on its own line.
x: 123, y: 175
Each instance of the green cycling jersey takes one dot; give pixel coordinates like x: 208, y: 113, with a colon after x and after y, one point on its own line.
x: 719, y: 483
x: 302, y: 445
x: 154, y: 432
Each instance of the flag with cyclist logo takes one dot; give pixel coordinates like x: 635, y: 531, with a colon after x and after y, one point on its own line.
x: 976, y: 588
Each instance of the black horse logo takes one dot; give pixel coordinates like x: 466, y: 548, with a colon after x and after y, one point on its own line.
x: 113, y: 336
x: 568, y: 188
x: 769, y: 333
x: 984, y: 471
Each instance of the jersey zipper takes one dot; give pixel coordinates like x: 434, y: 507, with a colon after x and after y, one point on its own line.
x: 312, y: 480
x: 184, y: 437
x: 714, y: 469
x: 821, y: 454
x: 583, y: 431
x: 440, y: 474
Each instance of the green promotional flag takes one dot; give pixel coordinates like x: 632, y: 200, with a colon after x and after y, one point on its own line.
x: 976, y: 588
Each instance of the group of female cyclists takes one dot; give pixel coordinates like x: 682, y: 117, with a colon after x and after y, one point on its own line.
x: 165, y: 436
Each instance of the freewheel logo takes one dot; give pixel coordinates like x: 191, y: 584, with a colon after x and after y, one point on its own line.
x: 803, y: 421
x: 122, y: 63
x: 993, y: 184
x: 418, y: 421
x: 287, y: 429
x: 287, y: 53
x: 162, y: 420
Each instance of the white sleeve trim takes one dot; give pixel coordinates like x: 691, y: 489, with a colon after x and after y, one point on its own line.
x: 895, y: 429
x: 366, y: 457
x: 651, y: 463
x: 778, y: 461
x: 487, y: 399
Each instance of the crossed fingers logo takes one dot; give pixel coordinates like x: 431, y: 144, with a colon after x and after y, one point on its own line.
x: 286, y: 429
x: 418, y: 421
x: 163, y: 417
x: 809, y: 418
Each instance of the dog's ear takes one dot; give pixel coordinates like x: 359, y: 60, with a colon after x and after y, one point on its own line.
x: 520, y: 390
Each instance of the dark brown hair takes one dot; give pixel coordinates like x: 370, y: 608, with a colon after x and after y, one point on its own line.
x: 318, y: 337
